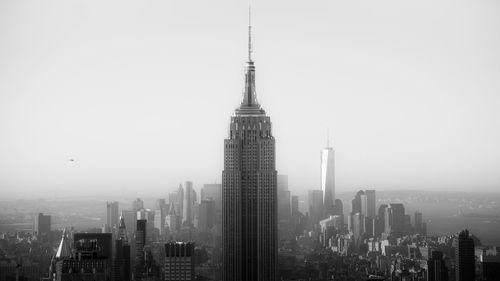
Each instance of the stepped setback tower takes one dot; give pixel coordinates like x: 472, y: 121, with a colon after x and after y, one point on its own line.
x: 249, y: 190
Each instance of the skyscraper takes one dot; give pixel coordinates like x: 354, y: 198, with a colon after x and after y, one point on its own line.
x: 315, y: 206
x: 188, y: 204
x: 371, y: 203
x: 214, y: 192
x: 359, y: 203
x: 173, y: 221
x: 464, y: 256
x: 111, y: 216
x: 328, y: 178
x: 249, y: 190
x: 284, y: 209
x: 41, y: 227
x: 140, y: 242
x: 130, y: 218
x: 206, y: 217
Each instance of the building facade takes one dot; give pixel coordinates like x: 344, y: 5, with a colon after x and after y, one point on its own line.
x: 179, y: 261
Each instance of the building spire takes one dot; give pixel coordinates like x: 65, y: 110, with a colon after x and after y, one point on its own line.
x: 249, y: 105
x: 249, y: 33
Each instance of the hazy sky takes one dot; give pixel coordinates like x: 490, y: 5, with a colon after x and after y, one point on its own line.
x: 140, y: 93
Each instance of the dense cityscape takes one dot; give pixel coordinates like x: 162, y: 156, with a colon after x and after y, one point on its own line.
x: 250, y: 226
x: 366, y: 239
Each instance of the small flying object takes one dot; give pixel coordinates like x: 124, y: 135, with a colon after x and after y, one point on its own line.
x: 71, y: 160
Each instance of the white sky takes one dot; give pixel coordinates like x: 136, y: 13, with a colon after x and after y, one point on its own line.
x: 140, y: 93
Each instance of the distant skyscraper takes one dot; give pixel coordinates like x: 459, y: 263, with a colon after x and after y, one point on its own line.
x: 295, y: 205
x: 357, y: 227
x: 464, y: 256
x: 282, y: 182
x: 380, y: 221
x: 159, y: 222
x: 214, y: 192
x: 328, y: 178
x: 284, y: 209
x: 371, y: 203
x: 138, y: 204
x: 338, y: 208
x: 41, y: 227
x: 359, y: 203
x: 179, y: 261
x: 315, y: 206
x: 420, y: 226
x: 130, y: 219
x: 397, y: 217
x: 188, y: 204
x: 206, y: 217
x: 179, y: 206
x: 173, y: 221
x: 111, y: 216
x: 249, y: 191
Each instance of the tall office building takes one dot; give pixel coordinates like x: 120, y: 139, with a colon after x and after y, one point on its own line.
x: 380, y: 220
x: 338, y: 208
x: 140, y: 242
x: 179, y: 206
x: 41, y: 227
x: 284, y: 208
x: 359, y: 203
x: 214, y: 192
x: 111, y: 216
x: 206, y: 216
x: 188, y: 204
x: 179, y: 261
x: 328, y: 178
x: 394, y: 218
x: 173, y: 221
x: 397, y: 217
x: 315, y: 206
x: 159, y: 221
x: 357, y: 227
x: 249, y: 190
x: 464, y: 256
x: 282, y: 182
x: 130, y: 219
x: 371, y: 202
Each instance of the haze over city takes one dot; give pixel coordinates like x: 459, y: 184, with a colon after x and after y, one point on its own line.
x: 139, y: 94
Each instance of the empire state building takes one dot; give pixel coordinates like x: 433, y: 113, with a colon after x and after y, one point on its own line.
x: 249, y: 190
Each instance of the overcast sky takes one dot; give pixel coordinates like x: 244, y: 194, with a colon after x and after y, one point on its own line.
x: 139, y: 93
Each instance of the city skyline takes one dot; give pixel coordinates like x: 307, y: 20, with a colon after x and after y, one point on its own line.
x: 107, y: 92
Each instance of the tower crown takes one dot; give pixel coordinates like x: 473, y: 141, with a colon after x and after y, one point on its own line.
x: 249, y: 105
